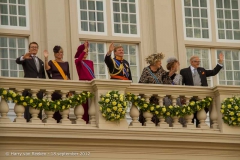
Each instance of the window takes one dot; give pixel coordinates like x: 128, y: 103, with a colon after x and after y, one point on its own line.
x: 196, y: 19
x: 97, y: 53
x: 92, y: 16
x: 125, y: 19
x: 204, y: 56
x: 14, y: 14
x: 230, y: 74
x: 10, y: 49
x: 227, y: 12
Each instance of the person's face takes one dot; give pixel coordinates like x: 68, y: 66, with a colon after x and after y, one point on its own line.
x: 119, y: 52
x: 59, y: 55
x: 33, y: 49
x: 195, y: 62
x: 158, y: 64
x: 176, y: 66
x: 85, y: 56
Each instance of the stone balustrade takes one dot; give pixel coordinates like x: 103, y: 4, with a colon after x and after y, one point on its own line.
x: 99, y: 87
x: 102, y: 139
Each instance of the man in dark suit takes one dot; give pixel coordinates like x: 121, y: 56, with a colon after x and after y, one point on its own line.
x: 197, y: 76
x: 33, y: 68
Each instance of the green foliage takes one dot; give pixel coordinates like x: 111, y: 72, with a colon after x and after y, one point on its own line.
x: 231, y: 111
x: 57, y: 105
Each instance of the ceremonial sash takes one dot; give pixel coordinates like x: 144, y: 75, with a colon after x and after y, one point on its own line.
x: 60, y: 70
x: 124, y: 70
x: 154, y: 76
x: 89, y: 69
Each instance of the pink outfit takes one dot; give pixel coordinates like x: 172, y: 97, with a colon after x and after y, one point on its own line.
x: 83, y: 72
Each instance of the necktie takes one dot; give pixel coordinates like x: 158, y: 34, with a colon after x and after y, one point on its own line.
x: 196, y: 78
x: 36, y: 62
x: 195, y: 72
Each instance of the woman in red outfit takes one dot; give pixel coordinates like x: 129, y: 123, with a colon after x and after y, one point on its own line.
x: 85, y: 70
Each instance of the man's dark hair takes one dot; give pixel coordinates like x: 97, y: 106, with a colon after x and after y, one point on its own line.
x: 31, y: 44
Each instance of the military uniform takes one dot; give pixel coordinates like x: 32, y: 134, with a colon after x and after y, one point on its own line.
x: 118, y: 68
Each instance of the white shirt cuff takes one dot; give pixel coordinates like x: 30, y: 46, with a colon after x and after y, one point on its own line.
x: 220, y: 64
x: 21, y: 59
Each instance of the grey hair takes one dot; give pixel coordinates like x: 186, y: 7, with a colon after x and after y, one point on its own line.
x: 171, y: 59
x: 153, y: 58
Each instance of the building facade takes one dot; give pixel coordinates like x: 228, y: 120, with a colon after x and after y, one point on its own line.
x: 179, y: 28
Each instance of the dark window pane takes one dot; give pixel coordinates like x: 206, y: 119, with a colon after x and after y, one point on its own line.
x: 22, y: 21
x: 3, y: 41
x: 13, y: 21
x: 100, y: 16
x: 91, y: 16
x: 100, y: 27
x: 92, y: 26
x: 83, y: 4
x: 3, y: 53
x: 116, y: 17
x: 91, y: 5
x: 219, y: 3
x: 124, y: 7
x: 116, y: 7
x: 117, y: 28
x: 83, y: 15
x: 4, y: 20
x: 21, y: 1
x: 203, y: 3
x: 84, y: 26
x: 99, y: 6
x: 133, y: 29
x: 125, y: 28
x: 227, y: 4
x: 13, y: 9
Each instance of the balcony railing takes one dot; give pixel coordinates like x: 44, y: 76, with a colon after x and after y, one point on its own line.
x: 99, y: 87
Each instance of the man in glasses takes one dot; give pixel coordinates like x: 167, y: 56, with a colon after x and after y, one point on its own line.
x: 33, y: 68
x: 197, y: 76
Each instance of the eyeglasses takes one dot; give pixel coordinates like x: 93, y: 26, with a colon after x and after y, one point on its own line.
x: 34, y: 47
x: 197, y: 61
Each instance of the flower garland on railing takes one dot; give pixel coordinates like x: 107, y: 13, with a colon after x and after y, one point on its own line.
x: 49, y: 105
x: 169, y: 111
x: 231, y: 111
x: 113, y: 106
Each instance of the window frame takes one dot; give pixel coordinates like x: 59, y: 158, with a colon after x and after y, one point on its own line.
x: 218, y: 77
x: 9, y: 68
x: 137, y: 19
x: 216, y: 24
x: 209, y: 24
x: 104, y: 21
x: 18, y: 27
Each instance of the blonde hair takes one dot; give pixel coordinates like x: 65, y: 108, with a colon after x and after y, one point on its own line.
x: 116, y: 47
x: 153, y: 58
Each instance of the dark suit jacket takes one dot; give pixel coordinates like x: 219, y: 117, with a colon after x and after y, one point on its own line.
x: 203, y: 73
x: 30, y: 69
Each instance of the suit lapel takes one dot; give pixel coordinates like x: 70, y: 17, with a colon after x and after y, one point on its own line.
x: 189, y: 72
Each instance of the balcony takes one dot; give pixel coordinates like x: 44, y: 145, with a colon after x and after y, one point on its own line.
x: 101, y: 139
